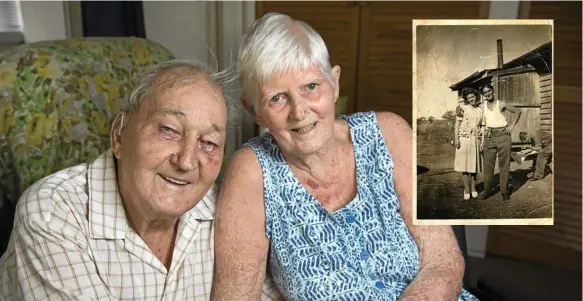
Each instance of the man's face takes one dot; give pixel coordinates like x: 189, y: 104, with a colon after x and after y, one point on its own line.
x: 488, y: 94
x: 170, y: 151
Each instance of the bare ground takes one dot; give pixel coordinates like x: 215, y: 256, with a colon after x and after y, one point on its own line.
x: 440, y: 189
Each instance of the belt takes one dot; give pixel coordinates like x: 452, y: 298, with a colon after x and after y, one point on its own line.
x: 500, y: 129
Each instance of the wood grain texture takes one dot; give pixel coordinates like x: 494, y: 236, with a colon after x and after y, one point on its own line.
x: 520, y: 89
x: 567, y: 36
x: 385, y: 60
x: 558, y: 245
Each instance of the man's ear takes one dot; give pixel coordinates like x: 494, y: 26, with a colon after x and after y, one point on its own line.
x: 117, y: 127
x: 251, y: 109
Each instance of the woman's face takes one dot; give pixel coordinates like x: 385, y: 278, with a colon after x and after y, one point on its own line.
x: 298, y: 109
x: 472, y: 99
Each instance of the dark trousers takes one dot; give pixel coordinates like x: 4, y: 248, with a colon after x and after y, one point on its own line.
x: 497, y: 144
x: 542, y: 159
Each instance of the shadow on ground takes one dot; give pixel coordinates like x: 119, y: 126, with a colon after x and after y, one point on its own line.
x: 440, y: 189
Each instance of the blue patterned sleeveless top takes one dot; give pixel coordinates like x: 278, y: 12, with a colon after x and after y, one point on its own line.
x: 362, y: 251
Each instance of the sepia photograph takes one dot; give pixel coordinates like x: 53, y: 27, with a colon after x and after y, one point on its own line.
x: 483, y: 122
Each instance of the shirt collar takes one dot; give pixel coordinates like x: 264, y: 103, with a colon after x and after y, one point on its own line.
x: 107, y: 216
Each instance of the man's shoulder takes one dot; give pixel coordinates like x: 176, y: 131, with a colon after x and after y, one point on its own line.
x: 503, y: 103
x: 56, y: 194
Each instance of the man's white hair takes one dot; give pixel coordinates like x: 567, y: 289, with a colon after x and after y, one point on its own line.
x: 164, y: 76
x: 275, y: 44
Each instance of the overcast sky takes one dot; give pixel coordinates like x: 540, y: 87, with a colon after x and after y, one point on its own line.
x: 448, y: 54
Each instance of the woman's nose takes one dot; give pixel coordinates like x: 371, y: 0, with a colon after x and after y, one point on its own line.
x: 299, y: 109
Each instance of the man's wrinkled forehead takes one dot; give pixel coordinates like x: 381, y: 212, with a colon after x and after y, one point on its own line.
x: 169, y: 111
x: 177, y: 77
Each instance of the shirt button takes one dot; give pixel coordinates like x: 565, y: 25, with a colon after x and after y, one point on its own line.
x: 364, y: 254
x: 350, y: 219
x: 380, y: 284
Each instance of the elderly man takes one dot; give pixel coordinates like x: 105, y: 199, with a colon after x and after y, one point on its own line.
x: 137, y: 223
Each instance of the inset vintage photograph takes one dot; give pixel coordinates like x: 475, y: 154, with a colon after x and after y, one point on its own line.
x: 483, y: 122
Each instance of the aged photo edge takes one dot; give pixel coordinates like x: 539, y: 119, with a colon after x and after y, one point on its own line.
x: 488, y: 222
x: 455, y: 222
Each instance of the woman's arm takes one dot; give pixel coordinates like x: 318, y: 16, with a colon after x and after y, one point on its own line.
x: 442, y: 265
x: 240, y: 242
x: 456, y: 133
x: 482, y: 125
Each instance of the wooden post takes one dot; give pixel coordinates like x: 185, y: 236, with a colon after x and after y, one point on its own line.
x: 500, y: 65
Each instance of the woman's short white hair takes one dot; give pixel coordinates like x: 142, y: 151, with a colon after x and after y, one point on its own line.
x: 164, y: 76
x: 277, y: 43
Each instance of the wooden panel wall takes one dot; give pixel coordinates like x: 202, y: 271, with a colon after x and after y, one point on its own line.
x: 520, y: 89
x: 545, y: 84
x: 385, y: 76
x: 558, y: 245
x: 529, y: 122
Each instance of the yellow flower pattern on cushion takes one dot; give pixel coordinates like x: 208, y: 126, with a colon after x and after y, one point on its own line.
x: 7, y: 73
x: 101, y: 123
x: 46, y: 66
x: 6, y: 119
x: 35, y: 130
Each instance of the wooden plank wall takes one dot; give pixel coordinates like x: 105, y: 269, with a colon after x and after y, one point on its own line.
x: 546, y: 102
x: 520, y: 90
x: 529, y: 122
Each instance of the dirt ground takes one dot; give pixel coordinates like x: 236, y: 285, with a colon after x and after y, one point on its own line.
x: 440, y: 189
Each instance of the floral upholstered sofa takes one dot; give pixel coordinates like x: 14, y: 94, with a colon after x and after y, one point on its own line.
x: 57, y: 101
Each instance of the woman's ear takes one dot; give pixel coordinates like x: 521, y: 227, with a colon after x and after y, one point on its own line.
x: 336, y: 73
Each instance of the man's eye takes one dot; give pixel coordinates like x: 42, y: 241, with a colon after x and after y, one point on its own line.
x: 276, y: 98
x: 168, y: 130
x: 209, y: 146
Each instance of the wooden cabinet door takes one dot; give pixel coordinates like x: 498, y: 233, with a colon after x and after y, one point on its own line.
x: 337, y: 23
x: 558, y: 245
x: 385, y: 63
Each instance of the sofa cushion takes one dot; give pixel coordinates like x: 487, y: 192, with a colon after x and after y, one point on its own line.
x: 57, y: 101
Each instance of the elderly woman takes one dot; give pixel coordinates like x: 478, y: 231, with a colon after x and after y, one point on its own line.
x: 323, y: 202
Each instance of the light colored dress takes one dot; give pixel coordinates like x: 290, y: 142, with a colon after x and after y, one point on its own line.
x: 362, y: 251
x: 467, y: 156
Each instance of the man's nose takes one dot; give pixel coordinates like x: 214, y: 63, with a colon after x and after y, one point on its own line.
x: 185, y: 157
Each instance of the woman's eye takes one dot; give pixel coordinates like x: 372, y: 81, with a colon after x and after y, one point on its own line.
x: 276, y: 98
x: 311, y: 86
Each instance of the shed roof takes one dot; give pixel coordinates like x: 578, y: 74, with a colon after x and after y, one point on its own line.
x: 538, y: 59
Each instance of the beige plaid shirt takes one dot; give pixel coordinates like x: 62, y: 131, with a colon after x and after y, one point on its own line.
x: 71, y: 241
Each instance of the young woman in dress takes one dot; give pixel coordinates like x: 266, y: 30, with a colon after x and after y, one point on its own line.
x: 467, y: 153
